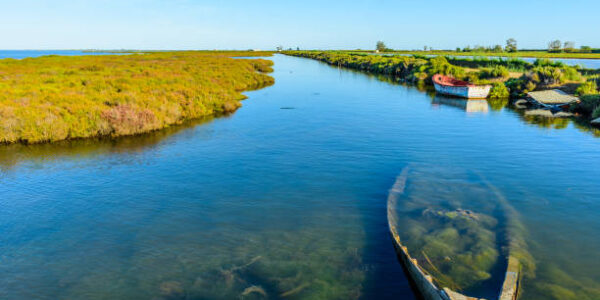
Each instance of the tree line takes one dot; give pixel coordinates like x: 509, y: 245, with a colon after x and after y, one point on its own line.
x: 511, y: 45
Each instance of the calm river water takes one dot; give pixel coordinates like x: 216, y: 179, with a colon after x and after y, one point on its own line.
x: 286, y: 198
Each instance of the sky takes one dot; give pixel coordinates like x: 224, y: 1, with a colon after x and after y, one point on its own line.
x: 308, y: 24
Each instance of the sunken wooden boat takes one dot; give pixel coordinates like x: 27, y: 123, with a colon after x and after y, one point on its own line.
x: 428, y: 281
x: 457, y: 88
x: 554, y: 100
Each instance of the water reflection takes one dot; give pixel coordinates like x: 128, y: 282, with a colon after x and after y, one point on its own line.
x: 561, y: 120
x: 11, y: 156
x: 470, y: 106
x: 498, y: 104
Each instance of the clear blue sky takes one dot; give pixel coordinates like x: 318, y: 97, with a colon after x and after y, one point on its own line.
x: 233, y: 24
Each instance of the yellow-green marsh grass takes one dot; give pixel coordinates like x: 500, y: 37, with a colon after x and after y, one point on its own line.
x: 55, y: 98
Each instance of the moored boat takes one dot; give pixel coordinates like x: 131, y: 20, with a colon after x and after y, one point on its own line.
x: 458, y: 88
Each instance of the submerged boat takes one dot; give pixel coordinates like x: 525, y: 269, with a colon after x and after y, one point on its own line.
x: 455, y: 234
x: 458, y: 88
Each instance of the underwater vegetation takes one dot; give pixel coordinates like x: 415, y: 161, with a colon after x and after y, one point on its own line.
x: 55, y: 98
x: 461, y: 229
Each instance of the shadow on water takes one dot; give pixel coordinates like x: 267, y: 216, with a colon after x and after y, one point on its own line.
x: 11, y: 156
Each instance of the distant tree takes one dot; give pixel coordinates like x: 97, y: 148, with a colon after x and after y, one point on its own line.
x: 380, y: 46
x: 569, y: 46
x: 279, y: 48
x: 424, y: 48
x: 511, y: 45
x: 586, y: 49
x: 497, y: 48
x: 467, y: 49
x: 554, y: 46
x: 458, y: 49
x: 297, y: 48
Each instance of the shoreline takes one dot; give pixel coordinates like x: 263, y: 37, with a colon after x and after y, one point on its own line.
x: 524, y: 54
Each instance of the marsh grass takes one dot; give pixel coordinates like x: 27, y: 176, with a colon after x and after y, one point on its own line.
x: 55, y: 98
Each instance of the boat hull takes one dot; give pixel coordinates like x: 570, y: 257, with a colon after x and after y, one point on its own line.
x: 468, y: 92
x: 426, y: 286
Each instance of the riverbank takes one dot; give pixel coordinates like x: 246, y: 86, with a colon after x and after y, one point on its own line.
x: 518, y: 54
x: 55, y: 98
x: 511, y: 79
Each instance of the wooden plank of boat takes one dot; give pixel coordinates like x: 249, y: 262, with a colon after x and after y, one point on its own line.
x: 554, y: 100
x: 453, y: 87
x: 422, y: 281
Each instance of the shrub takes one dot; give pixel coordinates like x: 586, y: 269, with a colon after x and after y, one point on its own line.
x: 596, y: 112
x: 56, y: 97
x: 588, y: 106
x: 495, y: 72
x: 499, y: 91
x: 587, y: 88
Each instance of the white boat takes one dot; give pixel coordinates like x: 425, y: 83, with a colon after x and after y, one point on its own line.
x: 458, y: 88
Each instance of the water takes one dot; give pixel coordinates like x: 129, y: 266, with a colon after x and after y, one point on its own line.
x: 585, y: 63
x: 286, y: 202
x: 20, y: 54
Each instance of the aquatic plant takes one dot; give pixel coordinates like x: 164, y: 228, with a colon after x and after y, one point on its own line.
x: 55, y: 98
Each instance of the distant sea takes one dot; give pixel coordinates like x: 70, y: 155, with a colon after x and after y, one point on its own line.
x: 19, y: 54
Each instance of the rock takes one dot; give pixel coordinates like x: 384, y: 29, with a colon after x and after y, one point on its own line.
x: 172, y: 290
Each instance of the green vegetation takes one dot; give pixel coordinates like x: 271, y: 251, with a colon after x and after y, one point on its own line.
x: 55, y: 98
x: 419, y: 69
x: 511, y: 45
x: 587, y: 54
x: 589, y: 106
x: 512, y: 78
x: 587, y: 88
x: 381, y: 47
x: 499, y: 91
x: 497, y: 71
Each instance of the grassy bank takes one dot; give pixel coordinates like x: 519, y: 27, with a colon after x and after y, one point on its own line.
x: 531, y: 54
x: 521, y: 76
x: 55, y: 98
x: 511, y: 78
